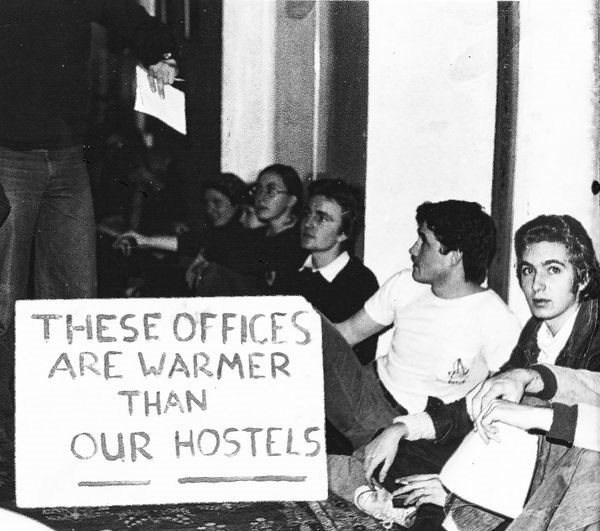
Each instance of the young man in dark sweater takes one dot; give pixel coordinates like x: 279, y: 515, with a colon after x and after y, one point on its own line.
x: 331, y: 279
x: 44, y: 50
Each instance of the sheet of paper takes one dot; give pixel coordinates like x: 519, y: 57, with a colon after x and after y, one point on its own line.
x: 170, y: 110
x: 449, y: 525
x: 495, y: 476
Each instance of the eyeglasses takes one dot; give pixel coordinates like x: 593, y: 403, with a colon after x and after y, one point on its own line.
x: 270, y: 190
x: 317, y: 217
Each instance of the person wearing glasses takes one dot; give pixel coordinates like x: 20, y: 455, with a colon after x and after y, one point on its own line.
x: 278, y: 202
x: 249, y: 262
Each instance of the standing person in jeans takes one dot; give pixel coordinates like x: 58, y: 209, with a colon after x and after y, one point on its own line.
x: 44, y: 50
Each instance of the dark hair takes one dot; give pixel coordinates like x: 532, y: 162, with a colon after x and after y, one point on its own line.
x: 462, y: 226
x: 248, y: 195
x: 229, y: 185
x: 350, y: 200
x: 570, y: 232
x: 292, y: 182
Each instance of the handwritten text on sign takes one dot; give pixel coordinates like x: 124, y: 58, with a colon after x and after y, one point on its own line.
x: 168, y: 400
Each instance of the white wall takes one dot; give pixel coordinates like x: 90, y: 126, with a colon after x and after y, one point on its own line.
x: 432, y: 91
x: 557, y: 127
x: 269, y: 69
x: 248, y: 117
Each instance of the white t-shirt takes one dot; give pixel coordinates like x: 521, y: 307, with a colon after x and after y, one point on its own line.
x: 440, y: 347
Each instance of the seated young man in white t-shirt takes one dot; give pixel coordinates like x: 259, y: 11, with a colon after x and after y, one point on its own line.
x: 449, y: 333
x: 560, y: 278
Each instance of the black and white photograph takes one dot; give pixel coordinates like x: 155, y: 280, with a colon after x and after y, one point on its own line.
x: 300, y: 265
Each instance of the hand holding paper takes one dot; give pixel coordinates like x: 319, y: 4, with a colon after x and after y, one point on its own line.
x: 170, y: 109
x: 509, y: 385
x: 161, y: 74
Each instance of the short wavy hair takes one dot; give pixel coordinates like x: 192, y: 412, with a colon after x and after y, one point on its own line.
x: 462, y: 226
x: 350, y: 200
x: 570, y: 232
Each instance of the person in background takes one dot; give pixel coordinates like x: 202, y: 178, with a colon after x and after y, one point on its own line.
x: 226, y: 242
x: 278, y: 201
x: 332, y: 279
x: 44, y: 51
x: 205, y: 278
x: 257, y: 261
x: 274, y: 252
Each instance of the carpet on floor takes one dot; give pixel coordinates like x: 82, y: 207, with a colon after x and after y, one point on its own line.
x: 331, y: 515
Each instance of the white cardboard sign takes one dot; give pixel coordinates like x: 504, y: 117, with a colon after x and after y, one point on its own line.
x: 144, y: 401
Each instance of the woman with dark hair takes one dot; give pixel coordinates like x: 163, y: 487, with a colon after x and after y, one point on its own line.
x: 278, y: 202
x: 274, y: 253
x: 235, y: 261
x: 225, y: 241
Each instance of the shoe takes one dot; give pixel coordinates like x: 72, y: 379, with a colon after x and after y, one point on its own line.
x: 378, y: 503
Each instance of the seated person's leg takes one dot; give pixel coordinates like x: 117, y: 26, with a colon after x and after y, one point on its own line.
x: 468, y: 517
x: 335, y: 441
x: 417, y: 457
x: 354, y: 399
x: 420, y: 457
x: 565, y: 491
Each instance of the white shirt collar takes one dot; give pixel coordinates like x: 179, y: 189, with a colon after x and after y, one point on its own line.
x: 331, y: 270
x: 550, y: 346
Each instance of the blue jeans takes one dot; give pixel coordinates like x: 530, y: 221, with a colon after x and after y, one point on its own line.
x: 355, y: 400
x: 51, y: 221
x: 564, y: 495
x: 566, y: 491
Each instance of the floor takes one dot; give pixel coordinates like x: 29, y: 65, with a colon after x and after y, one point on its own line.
x: 334, y: 514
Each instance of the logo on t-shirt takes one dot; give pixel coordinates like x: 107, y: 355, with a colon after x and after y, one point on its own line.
x: 458, y: 374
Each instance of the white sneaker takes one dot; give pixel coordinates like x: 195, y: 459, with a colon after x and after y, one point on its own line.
x: 378, y: 503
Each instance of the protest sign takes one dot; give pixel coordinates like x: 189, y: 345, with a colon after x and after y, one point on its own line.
x: 143, y: 401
